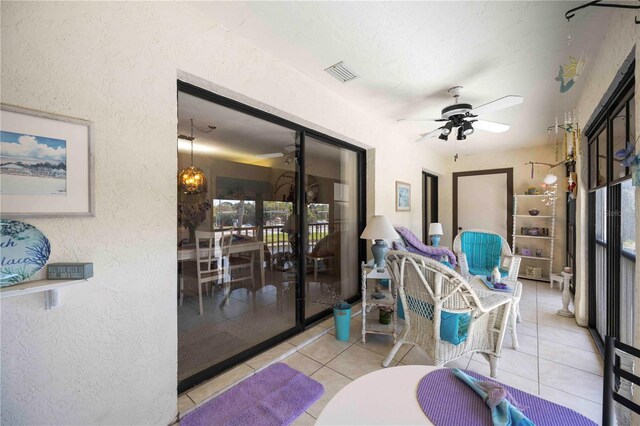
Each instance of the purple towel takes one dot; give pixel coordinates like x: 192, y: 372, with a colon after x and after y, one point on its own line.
x: 276, y: 395
x: 414, y: 245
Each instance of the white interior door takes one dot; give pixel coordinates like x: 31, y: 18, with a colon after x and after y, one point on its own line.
x: 482, y: 203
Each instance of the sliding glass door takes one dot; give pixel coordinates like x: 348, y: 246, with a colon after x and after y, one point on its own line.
x: 332, y: 214
x: 269, y: 237
x: 612, y: 234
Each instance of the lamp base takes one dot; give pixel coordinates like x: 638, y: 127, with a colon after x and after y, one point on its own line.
x: 435, y: 240
x: 379, y: 250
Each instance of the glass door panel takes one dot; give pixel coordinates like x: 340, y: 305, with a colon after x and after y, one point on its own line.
x: 627, y: 260
x: 601, y: 260
x: 245, y: 294
x: 331, y: 202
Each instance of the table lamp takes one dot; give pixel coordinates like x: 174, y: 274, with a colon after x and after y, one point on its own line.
x: 435, y: 230
x: 379, y: 229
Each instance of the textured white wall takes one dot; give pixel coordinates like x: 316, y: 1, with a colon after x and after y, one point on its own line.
x: 108, y: 354
x: 622, y: 35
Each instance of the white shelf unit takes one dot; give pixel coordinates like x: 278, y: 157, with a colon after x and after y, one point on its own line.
x: 370, y: 323
x: 521, y: 204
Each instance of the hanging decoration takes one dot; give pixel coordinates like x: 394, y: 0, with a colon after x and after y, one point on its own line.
x: 572, y: 186
x: 568, y: 74
x: 192, y: 180
x: 550, y: 187
x: 625, y: 155
x: 568, y: 145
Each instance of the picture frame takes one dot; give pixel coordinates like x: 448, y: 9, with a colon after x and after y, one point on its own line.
x: 403, y: 196
x: 46, y: 164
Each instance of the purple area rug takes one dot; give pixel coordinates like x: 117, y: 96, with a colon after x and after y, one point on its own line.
x: 446, y: 400
x: 276, y: 395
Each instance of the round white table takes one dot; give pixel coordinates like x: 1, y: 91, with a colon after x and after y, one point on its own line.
x: 384, y: 397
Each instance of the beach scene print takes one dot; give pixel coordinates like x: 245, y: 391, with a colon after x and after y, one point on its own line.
x: 32, y: 165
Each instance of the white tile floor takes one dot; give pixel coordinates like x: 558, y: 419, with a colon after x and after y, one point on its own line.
x: 557, y: 359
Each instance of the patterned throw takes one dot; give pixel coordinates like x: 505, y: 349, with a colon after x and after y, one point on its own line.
x: 447, y: 400
x: 274, y: 396
x: 414, y: 245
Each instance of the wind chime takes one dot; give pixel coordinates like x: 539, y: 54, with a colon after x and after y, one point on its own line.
x: 569, y: 145
x: 549, y: 184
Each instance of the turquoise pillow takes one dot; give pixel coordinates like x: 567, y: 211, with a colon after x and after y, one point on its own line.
x: 453, y: 327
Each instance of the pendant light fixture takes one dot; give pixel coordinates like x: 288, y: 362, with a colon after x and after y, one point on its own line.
x: 191, y: 180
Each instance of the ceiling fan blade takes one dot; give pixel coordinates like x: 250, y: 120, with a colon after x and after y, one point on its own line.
x: 271, y: 155
x: 422, y: 119
x: 431, y: 134
x: 490, y: 126
x: 505, y: 102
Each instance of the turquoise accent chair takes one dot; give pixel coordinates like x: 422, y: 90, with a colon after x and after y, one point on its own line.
x: 479, y: 251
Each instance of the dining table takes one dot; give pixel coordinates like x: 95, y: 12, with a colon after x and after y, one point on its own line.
x: 188, y: 252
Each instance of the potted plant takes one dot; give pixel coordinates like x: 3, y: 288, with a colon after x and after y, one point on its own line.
x: 384, y: 314
x: 341, y: 313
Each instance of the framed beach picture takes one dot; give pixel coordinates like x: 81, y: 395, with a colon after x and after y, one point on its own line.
x: 403, y: 196
x: 46, y: 167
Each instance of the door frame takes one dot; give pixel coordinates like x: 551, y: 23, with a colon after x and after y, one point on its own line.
x: 508, y: 172
x: 301, y: 323
x: 433, y: 214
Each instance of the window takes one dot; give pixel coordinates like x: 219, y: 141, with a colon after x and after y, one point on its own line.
x: 601, y: 215
x: 612, y: 232
x: 628, y: 218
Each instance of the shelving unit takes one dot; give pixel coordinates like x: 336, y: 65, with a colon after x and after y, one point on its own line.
x: 371, y: 324
x: 521, y: 204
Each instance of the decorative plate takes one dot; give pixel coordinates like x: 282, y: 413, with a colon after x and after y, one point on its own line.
x: 24, y: 250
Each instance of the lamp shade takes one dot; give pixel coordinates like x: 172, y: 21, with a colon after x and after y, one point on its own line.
x: 435, y: 229
x: 379, y: 228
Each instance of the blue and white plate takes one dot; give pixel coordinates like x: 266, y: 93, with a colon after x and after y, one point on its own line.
x: 24, y: 250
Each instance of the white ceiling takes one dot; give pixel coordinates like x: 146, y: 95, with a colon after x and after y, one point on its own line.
x: 408, y: 54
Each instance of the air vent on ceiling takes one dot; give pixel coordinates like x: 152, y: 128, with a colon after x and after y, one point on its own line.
x: 341, y: 72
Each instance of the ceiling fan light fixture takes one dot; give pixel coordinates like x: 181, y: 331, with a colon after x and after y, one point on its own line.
x: 467, y: 128
x: 461, y: 135
x: 444, y: 136
x: 446, y: 129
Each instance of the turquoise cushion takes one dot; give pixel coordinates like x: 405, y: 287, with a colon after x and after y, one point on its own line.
x: 453, y: 327
x: 483, y: 252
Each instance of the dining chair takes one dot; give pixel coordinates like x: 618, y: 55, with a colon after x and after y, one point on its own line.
x: 209, y: 259
x: 616, y: 356
x: 236, y: 260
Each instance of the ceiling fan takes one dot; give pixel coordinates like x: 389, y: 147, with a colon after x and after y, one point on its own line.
x: 289, y: 152
x: 463, y: 116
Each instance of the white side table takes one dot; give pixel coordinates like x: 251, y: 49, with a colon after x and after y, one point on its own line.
x: 556, y: 278
x: 372, y: 325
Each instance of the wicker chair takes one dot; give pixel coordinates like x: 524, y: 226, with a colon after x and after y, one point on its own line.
x: 427, y: 290
x: 476, y: 261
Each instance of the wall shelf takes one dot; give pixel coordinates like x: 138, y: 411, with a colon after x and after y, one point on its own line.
x: 50, y: 288
x: 533, y: 236
x: 535, y: 257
